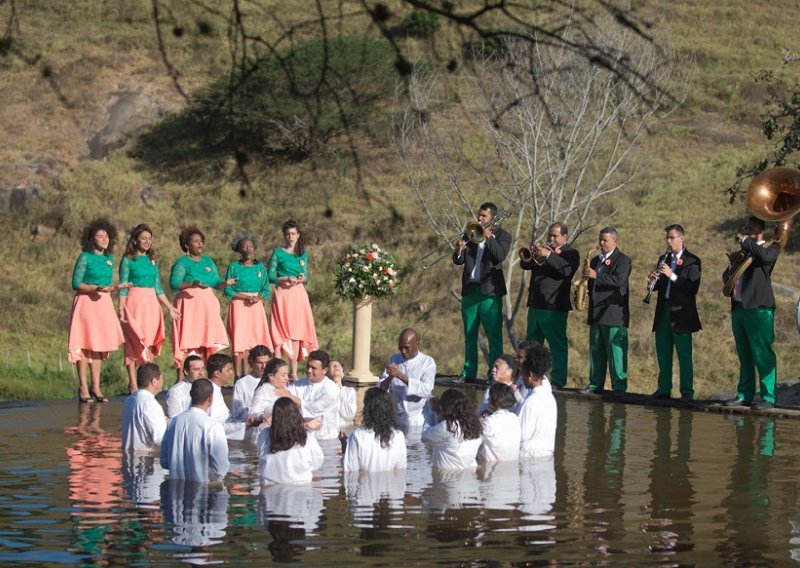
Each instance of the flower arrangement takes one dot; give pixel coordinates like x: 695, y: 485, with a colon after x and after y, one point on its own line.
x: 366, y: 270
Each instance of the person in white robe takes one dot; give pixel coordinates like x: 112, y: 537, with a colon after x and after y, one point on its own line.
x: 501, y: 429
x: 538, y: 413
x: 455, y: 439
x: 287, y: 453
x: 522, y: 387
x: 194, y: 447
x: 348, y: 403
x: 178, y: 399
x: 318, y: 396
x: 504, y: 371
x: 245, y: 387
x: 378, y: 445
x: 143, y: 420
x: 409, y: 377
x: 220, y: 372
x: 196, y: 515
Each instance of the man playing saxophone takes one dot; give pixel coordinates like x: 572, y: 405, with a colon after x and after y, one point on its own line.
x: 609, y: 315
x: 552, y: 268
x: 677, y: 280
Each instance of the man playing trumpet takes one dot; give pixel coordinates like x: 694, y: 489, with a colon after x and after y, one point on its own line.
x: 677, y: 280
x: 552, y: 268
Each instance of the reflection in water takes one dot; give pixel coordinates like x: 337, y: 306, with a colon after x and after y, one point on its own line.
x: 745, y: 538
x: 143, y: 476
x: 289, y: 513
x: 195, y: 515
x: 376, y: 505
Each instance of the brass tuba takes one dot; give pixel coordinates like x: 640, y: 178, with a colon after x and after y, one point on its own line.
x: 580, y: 291
x: 773, y: 195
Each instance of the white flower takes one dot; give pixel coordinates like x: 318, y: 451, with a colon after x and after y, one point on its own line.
x: 352, y: 280
x: 360, y: 285
x: 375, y: 247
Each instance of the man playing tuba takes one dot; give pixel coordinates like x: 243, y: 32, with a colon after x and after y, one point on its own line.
x: 552, y: 268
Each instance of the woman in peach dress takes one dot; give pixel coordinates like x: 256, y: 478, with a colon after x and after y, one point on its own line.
x: 291, y: 322
x: 94, y: 329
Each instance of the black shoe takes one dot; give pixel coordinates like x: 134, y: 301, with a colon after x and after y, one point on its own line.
x: 686, y: 398
x: 738, y: 401
x: 763, y: 405
x: 591, y: 390
x: 98, y: 397
x: 658, y: 395
x: 618, y: 395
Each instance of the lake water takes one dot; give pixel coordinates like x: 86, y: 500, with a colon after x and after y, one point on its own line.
x: 628, y: 485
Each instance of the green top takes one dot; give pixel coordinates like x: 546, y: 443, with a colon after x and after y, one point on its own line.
x: 92, y: 268
x: 140, y: 272
x: 252, y: 279
x: 285, y: 263
x: 187, y: 270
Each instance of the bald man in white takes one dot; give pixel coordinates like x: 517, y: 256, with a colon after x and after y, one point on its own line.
x: 409, y: 377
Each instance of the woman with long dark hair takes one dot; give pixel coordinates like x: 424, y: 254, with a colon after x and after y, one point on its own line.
x: 194, y: 276
x: 455, y: 440
x: 377, y: 445
x: 141, y: 316
x: 291, y: 323
x: 287, y: 454
x: 271, y: 387
x: 94, y: 329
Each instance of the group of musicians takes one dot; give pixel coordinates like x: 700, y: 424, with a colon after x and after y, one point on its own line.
x: 675, y: 280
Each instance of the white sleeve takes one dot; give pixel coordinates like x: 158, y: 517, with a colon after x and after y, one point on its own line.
x: 175, y: 402
x: 157, y: 422
x: 399, y: 450
x: 166, y: 445
x: 326, y: 400
x: 240, y: 410
x: 347, y: 404
x: 436, y: 435
x: 317, y: 457
x: 350, y: 460
x: 422, y: 385
x: 217, y: 453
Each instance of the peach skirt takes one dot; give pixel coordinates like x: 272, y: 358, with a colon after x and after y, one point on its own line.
x: 143, y: 326
x: 291, y: 319
x: 247, y: 326
x: 200, y: 327
x: 93, y: 327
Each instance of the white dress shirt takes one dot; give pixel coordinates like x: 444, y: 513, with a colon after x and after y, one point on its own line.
x: 194, y: 447
x: 289, y: 466
x: 319, y: 400
x: 178, y: 399
x: 348, y: 405
x: 450, y: 450
x: 243, y: 392
x: 538, y: 417
x: 234, y: 429
x: 409, y: 400
x: 364, y: 452
x: 143, y: 422
x: 501, y: 437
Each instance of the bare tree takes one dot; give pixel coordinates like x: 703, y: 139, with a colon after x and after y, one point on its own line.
x: 552, y: 136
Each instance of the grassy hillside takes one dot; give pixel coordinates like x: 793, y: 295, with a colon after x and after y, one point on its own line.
x: 94, y: 49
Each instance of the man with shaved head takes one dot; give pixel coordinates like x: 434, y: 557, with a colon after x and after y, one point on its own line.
x: 409, y: 376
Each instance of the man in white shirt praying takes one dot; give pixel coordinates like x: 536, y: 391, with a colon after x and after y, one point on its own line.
x: 194, y: 447
x: 318, y: 396
x: 409, y: 377
x: 178, y: 399
x: 538, y: 412
x: 143, y: 420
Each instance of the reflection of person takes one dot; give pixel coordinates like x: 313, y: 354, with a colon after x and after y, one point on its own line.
x: 197, y: 514
x: 247, y: 320
x: 753, y: 319
x: 677, y: 280
x: 287, y: 454
x: 200, y: 330
x: 377, y: 445
x: 318, y: 396
x: 141, y: 316
x: 348, y: 404
x: 143, y: 420
x: 501, y: 429
x: 194, y: 447
x: 178, y: 399
x: 538, y: 413
x: 291, y: 322
x: 552, y: 268
x: 409, y: 376
x: 504, y: 371
x: 482, y: 287
x: 245, y: 387
x: 94, y: 329
x: 455, y: 439
x: 608, y: 315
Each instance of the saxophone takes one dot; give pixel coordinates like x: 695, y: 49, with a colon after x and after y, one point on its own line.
x: 580, y: 291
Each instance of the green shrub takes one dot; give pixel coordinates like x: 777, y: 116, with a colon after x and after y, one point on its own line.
x: 420, y: 24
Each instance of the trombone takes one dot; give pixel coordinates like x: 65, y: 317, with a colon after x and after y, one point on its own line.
x: 473, y: 232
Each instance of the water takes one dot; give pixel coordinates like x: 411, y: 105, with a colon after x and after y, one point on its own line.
x: 628, y: 485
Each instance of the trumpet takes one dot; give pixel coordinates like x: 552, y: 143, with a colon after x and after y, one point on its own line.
x: 652, y: 286
x: 473, y: 232
x: 526, y: 254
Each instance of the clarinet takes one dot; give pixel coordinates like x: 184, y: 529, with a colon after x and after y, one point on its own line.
x: 651, y: 287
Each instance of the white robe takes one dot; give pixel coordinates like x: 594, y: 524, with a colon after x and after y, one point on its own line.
x: 264, y: 399
x: 486, y: 407
x: 289, y: 466
x: 409, y: 400
x: 364, y: 452
x: 538, y: 417
x: 501, y: 437
x: 319, y: 400
x: 194, y: 447
x: 143, y: 422
x: 243, y: 392
x: 450, y: 450
x: 178, y: 399
x: 348, y: 405
x: 234, y: 429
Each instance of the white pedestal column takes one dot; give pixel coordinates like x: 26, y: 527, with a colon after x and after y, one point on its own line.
x: 362, y: 337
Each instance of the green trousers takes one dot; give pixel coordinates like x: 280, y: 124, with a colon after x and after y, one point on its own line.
x: 754, y: 333
x: 551, y: 326
x: 667, y: 341
x: 479, y: 309
x: 608, y: 349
